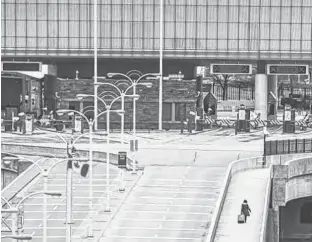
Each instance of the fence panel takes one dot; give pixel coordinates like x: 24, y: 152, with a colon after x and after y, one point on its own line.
x: 289, y: 146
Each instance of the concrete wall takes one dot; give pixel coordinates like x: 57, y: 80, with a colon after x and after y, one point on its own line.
x: 291, y: 228
x: 290, y: 180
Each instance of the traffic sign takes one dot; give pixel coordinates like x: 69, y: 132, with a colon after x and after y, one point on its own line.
x: 13, y: 66
x: 230, y: 69
x: 283, y: 69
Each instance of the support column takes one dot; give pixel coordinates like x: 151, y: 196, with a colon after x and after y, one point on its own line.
x: 261, y: 97
x: 272, y: 88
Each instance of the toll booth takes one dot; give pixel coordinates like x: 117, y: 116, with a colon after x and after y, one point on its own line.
x: 243, y: 119
x: 289, y: 123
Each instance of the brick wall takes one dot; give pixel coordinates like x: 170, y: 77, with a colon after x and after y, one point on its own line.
x: 146, y: 108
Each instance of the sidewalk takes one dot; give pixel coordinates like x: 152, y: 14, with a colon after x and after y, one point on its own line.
x: 249, y: 185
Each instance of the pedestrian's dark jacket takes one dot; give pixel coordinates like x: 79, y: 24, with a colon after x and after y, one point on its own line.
x: 245, y: 209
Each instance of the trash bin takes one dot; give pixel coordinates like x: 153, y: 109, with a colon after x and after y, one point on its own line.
x: 289, y: 127
x: 59, y: 125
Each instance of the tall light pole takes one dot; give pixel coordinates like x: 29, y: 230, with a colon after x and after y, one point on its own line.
x: 62, y: 111
x: 134, y: 84
x: 95, y: 63
x: 161, y: 64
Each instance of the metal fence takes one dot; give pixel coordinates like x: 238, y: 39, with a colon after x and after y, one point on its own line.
x: 234, y: 92
x: 288, y: 146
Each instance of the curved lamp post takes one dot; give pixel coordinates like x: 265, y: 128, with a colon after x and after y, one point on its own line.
x: 63, y: 111
x: 122, y: 94
x: 134, y: 83
x: 18, y: 237
x: 44, y: 174
x: 14, y: 210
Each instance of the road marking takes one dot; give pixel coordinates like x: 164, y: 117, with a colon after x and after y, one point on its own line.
x: 177, y: 198
x: 184, y: 180
x: 174, y: 205
x: 168, y: 229
x: 55, y: 207
x: 173, y: 186
x: 151, y: 238
x: 181, y: 192
x: 161, y: 220
x: 163, y: 212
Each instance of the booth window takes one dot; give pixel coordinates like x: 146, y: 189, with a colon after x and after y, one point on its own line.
x: 180, y: 111
x: 167, y: 111
x: 306, y: 213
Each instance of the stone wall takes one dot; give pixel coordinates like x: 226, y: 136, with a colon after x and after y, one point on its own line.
x: 174, y: 91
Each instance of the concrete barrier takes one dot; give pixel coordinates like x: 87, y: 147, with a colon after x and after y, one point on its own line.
x: 240, y: 166
x: 32, y: 172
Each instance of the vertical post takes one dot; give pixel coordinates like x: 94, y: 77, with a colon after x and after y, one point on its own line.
x: 90, y: 232
x: 160, y: 64
x: 107, y: 209
x: 23, y: 95
x: 14, y: 223
x: 122, y: 185
x: 122, y: 116
x: 134, y: 127
x: 264, y: 149
x: 45, y: 206
x: 69, y: 181
x: 95, y: 66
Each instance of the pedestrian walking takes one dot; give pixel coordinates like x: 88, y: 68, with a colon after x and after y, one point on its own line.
x: 245, y: 210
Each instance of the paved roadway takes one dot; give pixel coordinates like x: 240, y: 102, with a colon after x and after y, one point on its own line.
x: 168, y: 204
x: 33, y: 207
x: 174, y: 199
x: 249, y: 185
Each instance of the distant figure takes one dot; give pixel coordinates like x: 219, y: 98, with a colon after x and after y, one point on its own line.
x: 245, y: 210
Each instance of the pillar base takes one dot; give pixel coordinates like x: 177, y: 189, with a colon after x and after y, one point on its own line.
x: 107, y: 210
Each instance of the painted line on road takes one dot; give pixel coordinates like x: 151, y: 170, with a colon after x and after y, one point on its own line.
x: 151, y: 238
x: 156, y: 228
x: 163, y: 212
x: 183, y: 180
x: 180, y: 192
x: 176, y: 198
x: 55, y: 207
x: 166, y: 205
x: 173, y: 186
x: 161, y: 220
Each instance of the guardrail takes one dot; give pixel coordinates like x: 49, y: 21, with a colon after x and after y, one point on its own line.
x: 239, y: 166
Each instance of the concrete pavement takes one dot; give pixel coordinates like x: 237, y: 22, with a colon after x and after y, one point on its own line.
x: 33, y: 207
x: 171, y: 204
x: 250, y: 185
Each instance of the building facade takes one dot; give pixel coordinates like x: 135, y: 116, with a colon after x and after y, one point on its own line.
x: 195, y: 33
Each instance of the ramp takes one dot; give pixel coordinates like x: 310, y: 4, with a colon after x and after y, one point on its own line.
x: 249, y: 185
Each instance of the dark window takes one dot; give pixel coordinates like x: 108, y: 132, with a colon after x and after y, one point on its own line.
x: 306, y: 213
x: 180, y: 111
x: 167, y: 112
x: 74, y: 106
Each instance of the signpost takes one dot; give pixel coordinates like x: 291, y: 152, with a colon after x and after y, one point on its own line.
x: 230, y: 69
x: 13, y: 66
x: 283, y: 69
x: 122, y: 159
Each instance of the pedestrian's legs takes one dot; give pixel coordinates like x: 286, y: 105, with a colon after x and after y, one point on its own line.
x: 245, y: 218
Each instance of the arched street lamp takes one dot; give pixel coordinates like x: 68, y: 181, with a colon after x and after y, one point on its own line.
x: 133, y: 85
x: 108, y: 110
